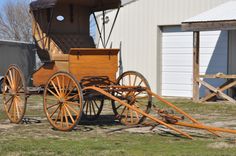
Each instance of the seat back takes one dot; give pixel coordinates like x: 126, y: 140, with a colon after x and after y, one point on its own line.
x: 67, y: 41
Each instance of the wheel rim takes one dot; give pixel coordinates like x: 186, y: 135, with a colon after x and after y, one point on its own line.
x: 136, y: 98
x: 14, y: 94
x: 63, y: 101
x: 92, y: 108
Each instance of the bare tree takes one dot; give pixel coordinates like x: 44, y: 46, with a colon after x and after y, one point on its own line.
x: 15, y: 21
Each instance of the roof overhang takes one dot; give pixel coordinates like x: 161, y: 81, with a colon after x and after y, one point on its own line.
x: 222, y: 17
x: 208, y: 26
x: 94, y: 5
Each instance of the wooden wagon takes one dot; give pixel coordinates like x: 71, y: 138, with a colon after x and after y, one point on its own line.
x: 77, y: 77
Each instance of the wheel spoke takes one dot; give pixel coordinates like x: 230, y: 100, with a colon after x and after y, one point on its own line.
x: 9, y: 108
x: 53, y: 93
x: 129, y: 80
x: 73, y: 110
x: 11, y: 78
x: 59, y: 85
x: 93, y: 108
x: 135, y: 80
x: 72, y: 103
x: 119, y: 106
x: 55, y: 87
x: 123, y: 110
x: 65, y: 115
x: 90, y: 108
x: 62, y: 114
x: 63, y: 84
x: 53, y: 106
x: 58, y: 115
x: 70, y: 91
x: 71, y: 97
x: 72, y: 119
x: 86, y: 107
x: 9, y: 81
x: 67, y: 88
x: 54, y: 111
x: 10, y: 99
x: 131, y: 116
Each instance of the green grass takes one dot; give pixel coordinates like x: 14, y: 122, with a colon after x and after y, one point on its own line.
x: 121, y: 144
x: 40, y: 139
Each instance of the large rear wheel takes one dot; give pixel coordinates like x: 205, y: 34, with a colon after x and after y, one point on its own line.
x: 63, y: 101
x: 137, y: 98
x: 14, y: 94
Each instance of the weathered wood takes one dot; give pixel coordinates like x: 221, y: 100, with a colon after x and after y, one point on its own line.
x: 219, y: 76
x: 217, y: 91
x: 222, y: 88
x: 196, y: 45
x: 204, y: 26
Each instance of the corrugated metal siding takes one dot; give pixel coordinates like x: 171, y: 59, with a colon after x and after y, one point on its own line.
x: 137, y: 29
x: 177, y: 57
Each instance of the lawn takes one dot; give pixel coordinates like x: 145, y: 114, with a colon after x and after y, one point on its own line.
x: 38, y: 138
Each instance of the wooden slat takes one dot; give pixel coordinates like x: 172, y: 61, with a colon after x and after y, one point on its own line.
x: 217, y: 91
x: 220, y: 76
x: 222, y: 88
x: 204, y: 26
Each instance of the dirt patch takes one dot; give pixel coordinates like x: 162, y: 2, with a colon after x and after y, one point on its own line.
x: 221, y: 145
x: 6, y: 126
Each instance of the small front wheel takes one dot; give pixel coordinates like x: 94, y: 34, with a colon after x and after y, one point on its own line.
x: 63, y: 101
x: 14, y: 94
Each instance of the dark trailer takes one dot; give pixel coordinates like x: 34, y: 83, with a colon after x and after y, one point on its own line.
x: 21, y: 54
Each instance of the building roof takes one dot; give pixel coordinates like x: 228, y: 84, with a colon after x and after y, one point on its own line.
x: 223, y: 17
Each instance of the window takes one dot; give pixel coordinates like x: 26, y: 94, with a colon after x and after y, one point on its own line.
x: 60, y: 18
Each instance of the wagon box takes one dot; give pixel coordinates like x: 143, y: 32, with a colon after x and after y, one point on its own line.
x: 81, y: 62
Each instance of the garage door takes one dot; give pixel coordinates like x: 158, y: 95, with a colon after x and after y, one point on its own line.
x: 177, y: 59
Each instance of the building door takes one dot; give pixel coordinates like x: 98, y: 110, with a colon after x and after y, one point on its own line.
x: 177, y: 59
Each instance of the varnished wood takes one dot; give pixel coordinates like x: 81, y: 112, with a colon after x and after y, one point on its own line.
x: 14, y: 94
x: 93, y: 62
x: 42, y: 75
x: 136, y: 98
x: 63, y: 101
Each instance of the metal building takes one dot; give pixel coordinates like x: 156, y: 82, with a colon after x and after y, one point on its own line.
x: 21, y: 54
x: 154, y: 44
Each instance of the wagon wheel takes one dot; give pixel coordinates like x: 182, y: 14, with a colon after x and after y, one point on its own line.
x: 14, y: 94
x: 63, y: 101
x: 93, y: 108
x: 136, y: 98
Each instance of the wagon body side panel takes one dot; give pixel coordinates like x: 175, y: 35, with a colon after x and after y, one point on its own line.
x: 94, y: 62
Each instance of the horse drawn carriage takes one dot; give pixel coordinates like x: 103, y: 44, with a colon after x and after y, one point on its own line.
x: 77, y: 77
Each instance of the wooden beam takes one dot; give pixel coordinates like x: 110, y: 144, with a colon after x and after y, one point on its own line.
x: 218, y: 76
x: 222, y: 88
x: 196, y: 51
x: 217, y: 91
x: 207, y: 26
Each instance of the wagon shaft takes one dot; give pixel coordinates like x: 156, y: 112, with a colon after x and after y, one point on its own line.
x: 195, y: 123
